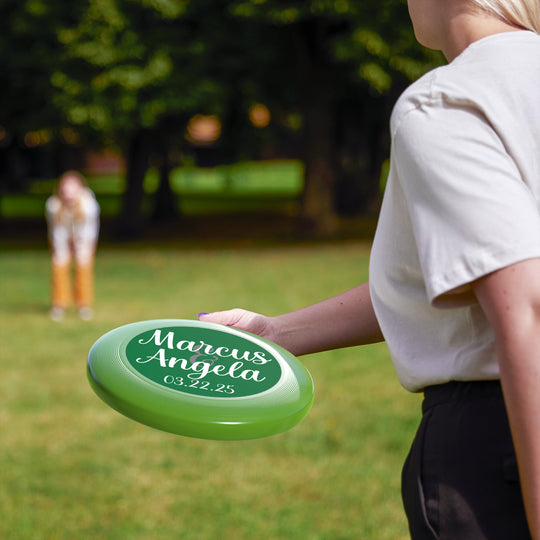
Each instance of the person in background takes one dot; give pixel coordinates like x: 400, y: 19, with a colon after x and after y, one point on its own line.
x: 454, y: 285
x: 73, y: 226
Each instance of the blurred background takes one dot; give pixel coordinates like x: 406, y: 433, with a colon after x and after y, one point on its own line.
x: 238, y: 150
x: 175, y: 108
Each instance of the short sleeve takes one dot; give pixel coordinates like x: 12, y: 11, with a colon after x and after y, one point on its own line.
x: 52, y: 206
x: 89, y: 207
x: 472, y: 212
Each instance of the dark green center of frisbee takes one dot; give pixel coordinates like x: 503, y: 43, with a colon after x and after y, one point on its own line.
x: 203, y: 362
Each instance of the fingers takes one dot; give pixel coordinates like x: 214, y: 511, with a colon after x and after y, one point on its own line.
x: 230, y: 317
x: 241, y: 319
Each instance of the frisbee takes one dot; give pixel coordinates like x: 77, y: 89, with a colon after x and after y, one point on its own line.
x: 200, y: 379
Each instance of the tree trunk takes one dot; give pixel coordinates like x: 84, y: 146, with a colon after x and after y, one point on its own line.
x: 361, y: 149
x: 318, y: 210
x: 165, y: 200
x: 131, y: 219
x: 317, y: 81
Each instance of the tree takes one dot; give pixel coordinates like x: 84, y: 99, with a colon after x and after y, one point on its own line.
x: 138, y: 70
x: 132, y: 73
x: 28, y: 51
x: 117, y: 78
x: 339, y: 54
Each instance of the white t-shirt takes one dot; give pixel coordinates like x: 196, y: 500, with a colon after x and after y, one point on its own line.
x: 462, y: 200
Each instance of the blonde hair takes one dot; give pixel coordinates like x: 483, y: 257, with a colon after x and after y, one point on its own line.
x: 522, y: 13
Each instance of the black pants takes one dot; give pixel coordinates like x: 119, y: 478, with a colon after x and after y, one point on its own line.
x: 460, y: 480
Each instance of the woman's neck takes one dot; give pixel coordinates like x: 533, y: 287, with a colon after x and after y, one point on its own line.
x: 466, y: 27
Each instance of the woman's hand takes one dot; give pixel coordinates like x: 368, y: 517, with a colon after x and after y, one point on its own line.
x: 243, y: 320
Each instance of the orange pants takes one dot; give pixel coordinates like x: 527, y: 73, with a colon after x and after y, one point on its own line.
x: 62, y: 291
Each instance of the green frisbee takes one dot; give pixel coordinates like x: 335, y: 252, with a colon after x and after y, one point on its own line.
x: 200, y: 379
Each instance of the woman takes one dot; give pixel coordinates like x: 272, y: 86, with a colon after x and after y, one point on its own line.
x: 455, y: 274
x: 73, y: 223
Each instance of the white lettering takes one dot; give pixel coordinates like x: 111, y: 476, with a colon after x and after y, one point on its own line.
x: 186, y: 346
x: 259, y: 358
x: 156, y: 336
x: 159, y: 355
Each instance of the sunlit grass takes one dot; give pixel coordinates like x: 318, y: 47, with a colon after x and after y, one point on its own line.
x: 70, y: 467
x: 240, y: 187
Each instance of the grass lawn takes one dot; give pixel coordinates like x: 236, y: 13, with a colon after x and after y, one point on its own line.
x: 72, y: 468
x: 245, y: 186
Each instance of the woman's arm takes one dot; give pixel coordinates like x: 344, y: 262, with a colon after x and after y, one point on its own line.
x: 510, y: 299
x: 344, y: 320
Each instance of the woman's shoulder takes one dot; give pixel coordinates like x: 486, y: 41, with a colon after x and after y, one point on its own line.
x: 490, y: 74
x: 415, y: 97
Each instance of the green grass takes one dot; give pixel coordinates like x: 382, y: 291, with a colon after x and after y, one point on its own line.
x: 71, y: 467
x: 246, y: 186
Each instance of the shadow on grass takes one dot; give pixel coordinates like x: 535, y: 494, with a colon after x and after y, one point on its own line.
x: 216, y: 231
x: 25, y: 307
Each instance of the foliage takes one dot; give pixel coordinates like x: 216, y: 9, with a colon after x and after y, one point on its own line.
x: 127, y: 63
x: 374, y: 39
x: 131, y: 73
x: 113, y: 65
x: 28, y: 51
